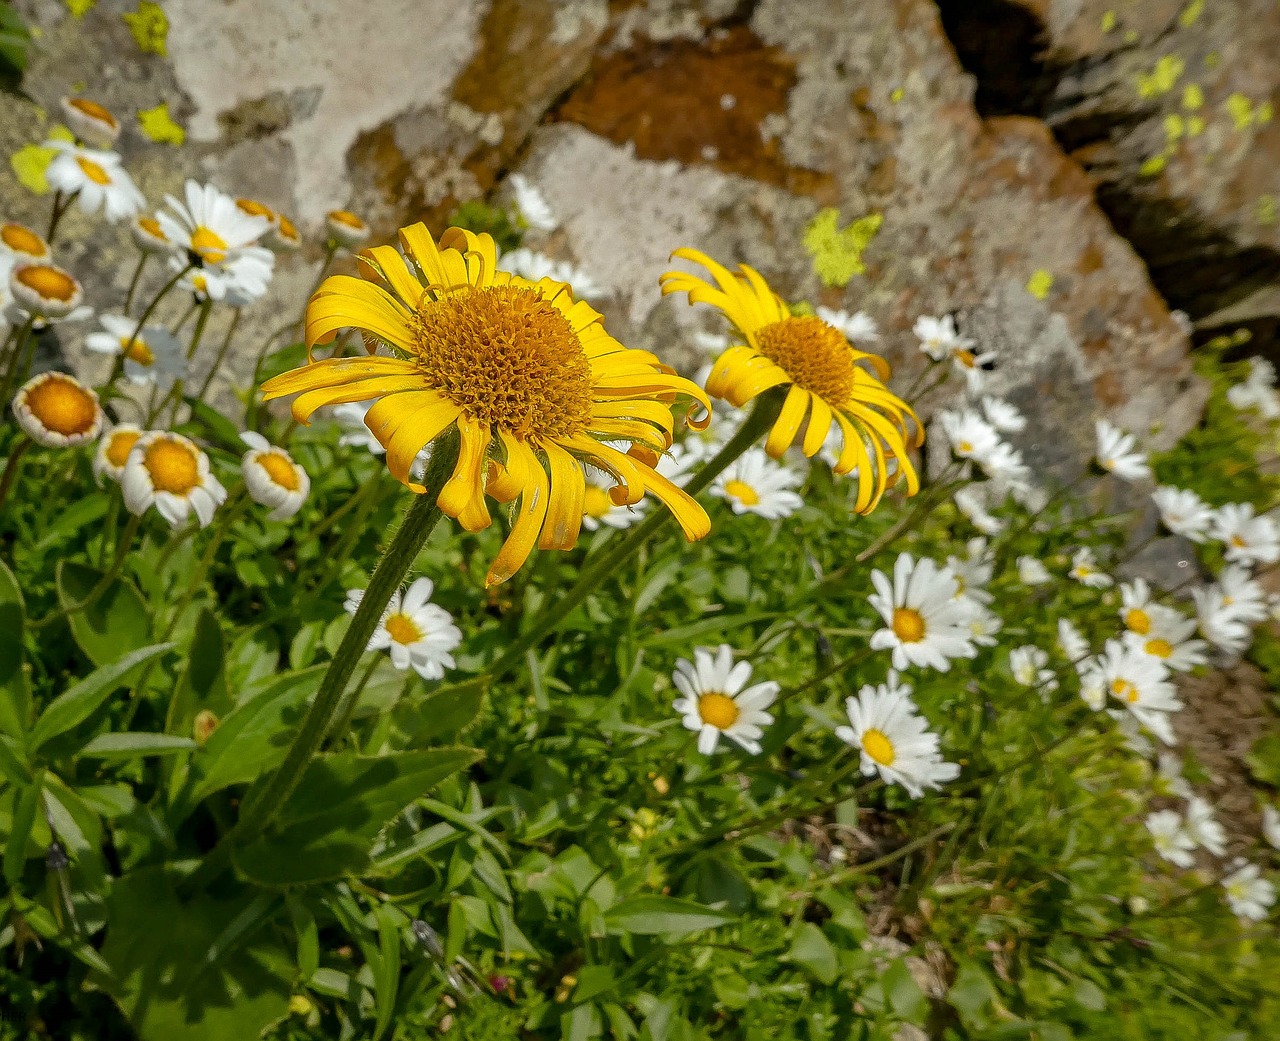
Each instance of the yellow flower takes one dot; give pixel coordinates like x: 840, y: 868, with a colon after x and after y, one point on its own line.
x: 528, y: 376
x: 824, y: 374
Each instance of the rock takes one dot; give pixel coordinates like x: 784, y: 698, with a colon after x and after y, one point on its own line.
x: 1170, y: 106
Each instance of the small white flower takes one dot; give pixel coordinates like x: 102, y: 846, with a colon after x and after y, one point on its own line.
x: 973, y: 500
x: 1246, y: 539
x: 169, y: 472
x: 350, y: 416
x: 1029, y: 665
x: 938, y: 336
x: 984, y: 625
x: 859, y: 327
x: 1168, y: 638
x: 1248, y: 894
x: 926, y: 624
x: 215, y: 232
x: 1168, y: 780
x: 973, y: 571
x: 44, y: 290
x: 1007, y: 470
x: 1271, y: 825
x: 1084, y: 569
x: 90, y: 122
x: 1141, y: 684
x: 1031, y: 572
x: 20, y: 245
x: 1093, y: 686
x: 97, y: 179
x: 416, y: 633
x: 1183, y: 512
x: 346, y: 229
x: 532, y: 204
x: 1074, y: 647
x: 1117, y: 453
x: 113, y: 451
x: 148, y: 236
x: 1170, y: 838
x: 974, y: 366
x: 283, y: 236
x: 893, y: 740
x: 712, y: 343
x: 1203, y: 828
x: 754, y: 483
x: 238, y: 282
x: 272, y: 478
x: 154, y: 355
x: 716, y: 700
x: 534, y: 266
x: 1003, y: 416
x: 970, y: 436
x: 1228, y: 609
x: 1258, y: 390
x: 57, y: 410
x: 1135, y: 606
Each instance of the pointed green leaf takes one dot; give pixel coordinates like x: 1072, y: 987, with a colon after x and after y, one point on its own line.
x: 115, y: 624
x: 15, y: 692
x: 662, y: 916
x: 133, y: 745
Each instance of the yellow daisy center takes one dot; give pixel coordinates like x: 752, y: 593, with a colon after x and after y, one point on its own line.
x: 508, y: 357
x: 120, y: 445
x: 93, y: 171
x: 1159, y: 648
x: 720, y: 710
x: 254, y: 208
x: 137, y: 350
x: 908, y: 625
x: 878, y: 746
x: 965, y: 446
x: 280, y: 470
x: 814, y: 354
x: 209, y: 244
x: 743, y: 492
x: 1137, y: 620
x: 347, y: 218
x: 1238, y: 542
x: 402, y: 629
x: 172, y: 465
x: 286, y: 228
x: 62, y: 406
x: 597, y: 503
x: 93, y: 110
x: 1125, y: 690
x: 48, y: 281
x: 23, y: 240
x: 152, y: 227
x: 965, y: 358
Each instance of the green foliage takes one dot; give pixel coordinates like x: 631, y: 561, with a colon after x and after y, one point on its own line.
x: 15, y: 44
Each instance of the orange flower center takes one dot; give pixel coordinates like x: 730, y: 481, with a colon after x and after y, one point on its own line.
x: 280, y: 470
x: 93, y: 171
x: 23, y: 240
x: 403, y: 629
x: 1138, y: 621
x: 152, y: 227
x: 597, y: 503
x: 744, y: 493
x: 120, y: 445
x: 137, y: 350
x: 255, y: 209
x: 286, y: 227
x: 347, y: 218
x: 1238, y: 542
x: 48, y: 281
x: 173, y: 466
x: 1124, y: 690
x: 508, y: 357
x: 63, y: 406
x: 209, y: 245
x: 814, y: 354
x: 964, y: 357
x: 908, y: 625
x: 720, y: 710
x: 878, y: 746
x: 93, y: 110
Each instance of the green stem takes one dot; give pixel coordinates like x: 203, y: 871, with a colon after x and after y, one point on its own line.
x: 15, y: 359
x: 609, y: 561
x: 348, y: 706
x: 221, y: 355
x: 117, y: 565
x: 60, y: 207
x: 133, y: 282
x: 12, y: 466
x: 155, y: 300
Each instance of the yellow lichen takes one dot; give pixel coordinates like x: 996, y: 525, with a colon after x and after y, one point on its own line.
x: 1268, y: 210
x: 1162, y: 78
x: 158, y: 125
x: 837, y: 253
x: 31, y: 161
x: 1108, y: 21
x: 1190, y: 13
x: 1263, y: 113
x: 1240, y: 109
x: 80, y: 8
x: 1174, y: 127
x: 897, y: 95
x: 1195, y: 126
x: 150, y: 27
x: 1154, y: 165
x: 1192, y: 97
x: 1039, y: 284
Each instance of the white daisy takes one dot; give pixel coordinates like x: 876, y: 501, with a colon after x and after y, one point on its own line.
x: 169, y: 472
x: 1228, y: 609
x: 90, y: 122
x: 1135, y: 606
x: 1168, y: 638
x: 1183, y: 512
x: 44, y: 291
x: 1084, y: 569
x: 1003, y: 416
x: 926, y: 625
x: 148, y: 236
x: 272, y: 478
x: 214, y: 232
x: 1271, y: 826
x: 1093, y: 685
x: 984, y: 626
x: 754, y: 483
x: 1010, y: 474
x: 416, y: 633
x: 534, y: 266
x: 1246, y: 539
x: 238, y: 282
x: 973, y: 366
x: 1074, y: 647
x: 113, y: 451
x: 938, y: 336
x: 57, y: 410
x: 1203, y: 828
x: 1117, y: 453
x: 1030, y: 667
x: 532, y: 204
x: 350, y: 416
x: 893, y: 740
x: 20, y: 245
x: 973, y: 500
x: 284, y: 236
x: 970, y: 436
x: 858, y: 328
x: 716, y: 699
x: 1031, y: 572
x: 97, y: 179
x: 1248, y: 894
x: 973, y: 571
x: 1170, y: 838
x: 1258, y: 390
x: 1168, y: 781
x: 1141, y: 684
x: 346, y: 229
x: 154, y: 355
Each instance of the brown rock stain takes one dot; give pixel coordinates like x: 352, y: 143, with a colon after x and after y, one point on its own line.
x: 697, y: 103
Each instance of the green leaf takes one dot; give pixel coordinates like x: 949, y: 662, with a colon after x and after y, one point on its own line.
x: 15, y: 42
x: 1264, y: 759
x: 223, y: 975
x: 214, y: 426
x: 15, y: 849
x: 81, y: 701
x: 15, y: 691
x: 293, y: 356
x: 115, y: 624
x: 811, y: 950
x: 662, y: 916
x: 903, y: 992
x: 444, y: 712
x: 387, y: 973
x: 328, y: 826
x: 133, y: 745
x: 203, y: 684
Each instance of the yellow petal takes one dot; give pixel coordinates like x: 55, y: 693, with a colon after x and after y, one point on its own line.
x: 567, y: 496
x: 355, y: 303
x: 388, y: 265
x: 333, y: 372
x: 528, y: 519
x: 305, y: 405
x: 819, y: 426
x: 405, y: 423
x: 463, y: 494
x: 787, y: 425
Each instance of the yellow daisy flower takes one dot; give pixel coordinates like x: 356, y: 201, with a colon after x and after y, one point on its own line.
x: 824, y: 375
x: 529, y: 377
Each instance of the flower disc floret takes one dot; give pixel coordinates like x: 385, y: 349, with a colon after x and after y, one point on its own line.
x: 57, y: 410
x: 113, y: 451
x: 22, y: 244
x: 45, y: 290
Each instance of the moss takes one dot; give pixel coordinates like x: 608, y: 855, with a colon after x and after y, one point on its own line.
x: 1108, y: 21
x: 836, y: 252
x: 1153, y: 166
x: 1192, y: 97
